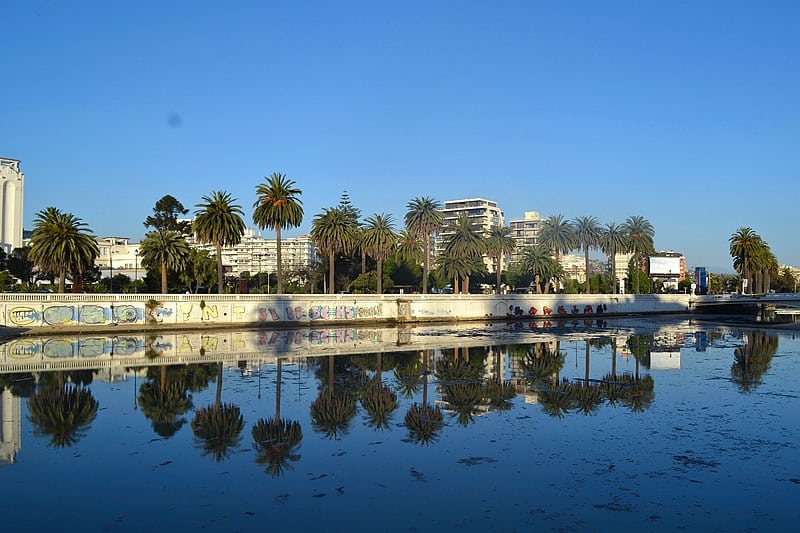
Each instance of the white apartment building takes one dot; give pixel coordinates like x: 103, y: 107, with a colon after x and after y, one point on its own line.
x: 119, y: 256
x: 12, y: 187
x: 255, y: 254
x: 525, y: 232
x: 484, y: 214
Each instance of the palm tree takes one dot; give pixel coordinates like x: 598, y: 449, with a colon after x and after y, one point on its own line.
x: 539, y: 263
x: 423, y: 219
x: 465, y: 242
x: 640, y: 235
x: 424, y: 421
x: 61, y: 244
x: 499, y: 243
x: 587, y: 236
x: 218, y: 221
x: 613, y: 241
x: 163, y: 403
x: 745, y: 247
x: 409, y: 247
x: 164, y: 250
x: 379, y: 240
x: 379, y: 400
x: 278, y: 207
x: 557, y: 234
x: 334, y: 233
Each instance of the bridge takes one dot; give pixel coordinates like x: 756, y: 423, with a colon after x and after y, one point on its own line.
x: 731, y: 302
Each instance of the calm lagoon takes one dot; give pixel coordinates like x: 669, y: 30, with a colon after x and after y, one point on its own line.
x: 628, y: 423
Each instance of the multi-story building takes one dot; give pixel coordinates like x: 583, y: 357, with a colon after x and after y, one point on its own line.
x: 484, y: 214
x: 525, y: 232
x: 255, y: 254
x: 119, y: 256
x: 12, y: 187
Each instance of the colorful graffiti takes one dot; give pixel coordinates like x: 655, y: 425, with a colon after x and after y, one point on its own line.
x: 92, y: 314
x: 23, y: 316
x: 59, y: 314
x: 320, y: 312
x: 321, y: 337
x: 125, y: 314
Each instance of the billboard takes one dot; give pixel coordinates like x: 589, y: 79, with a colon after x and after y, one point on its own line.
x: 665, y: 266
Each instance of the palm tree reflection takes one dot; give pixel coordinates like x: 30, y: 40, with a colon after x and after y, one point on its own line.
x: 753, y: 359
x: 333, y: 409
x: 218, y: 427
x: 277, y: 440
x: 63, y: 411
x: 424, y: 421
x: 379, y: 400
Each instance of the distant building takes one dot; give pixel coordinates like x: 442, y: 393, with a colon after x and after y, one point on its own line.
x: 525, y: 232
x: 485, y: 215
x: 667, y: 267
x: 12, y: 187
x: 574, y: 267
x: 119, y: 256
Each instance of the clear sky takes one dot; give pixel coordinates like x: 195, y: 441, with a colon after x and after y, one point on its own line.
x: 686, y: 113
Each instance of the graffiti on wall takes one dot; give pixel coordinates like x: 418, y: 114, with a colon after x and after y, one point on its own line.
x: 23, y: 316
x: 320, y: 337
x: 320, y: 312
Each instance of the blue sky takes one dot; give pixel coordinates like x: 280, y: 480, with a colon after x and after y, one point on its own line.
x: 686, y: 113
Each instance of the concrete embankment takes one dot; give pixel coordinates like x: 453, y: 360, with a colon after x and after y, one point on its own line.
x: 63, y: 313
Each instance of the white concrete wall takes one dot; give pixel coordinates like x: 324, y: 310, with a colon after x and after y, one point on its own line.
x: 68, y: 311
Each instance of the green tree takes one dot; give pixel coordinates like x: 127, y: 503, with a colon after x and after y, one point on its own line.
x: 613, y: 241
x: 587, y: 236
x: 200, y: 270
x: 499, y: 243
x: 466, y: 242
x: 218, y: 221
x: 165, y: 217
x: 164, y: 250
x: 62, y: 244
x: 278, y: 207
x: 539, y: 264
x: 639, y: 233
x: 745, y: 246
x: 334, y: 233
x: 557, y: 234
x: 379, y: 240
x: 423, y: 219
x: 20, y: 265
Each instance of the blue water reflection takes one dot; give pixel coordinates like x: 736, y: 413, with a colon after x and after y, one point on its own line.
x: 626, y: 424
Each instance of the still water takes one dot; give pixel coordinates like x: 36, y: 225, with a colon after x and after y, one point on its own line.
x: 657, y: 424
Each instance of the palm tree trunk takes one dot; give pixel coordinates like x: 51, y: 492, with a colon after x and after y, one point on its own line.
x: 613, y: 356
x: 466, y: 284
x: 330, y: 274
x: 163, y: 384
x: 279, y: 269
x: 220, y: 277
x: 218, y: 397
x: 363, y: 262
x: 586, y: 379
x: 586, y: 265
x: 62, y: 281
x: 455, y: 284
x: 278, y: 392
x: 163, y: 278
x: 497, y: 290
x: 380, y: 275
x: 614, y: 274
x: 425, y: 265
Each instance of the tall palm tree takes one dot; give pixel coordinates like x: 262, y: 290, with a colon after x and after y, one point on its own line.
x: 218, y: 221
x: 745, y: 245
x: 640, y: 235
x: 613, y: 241
x: 587, y: 236
x: 334, y: 234
x: 61, y: 244
x: 557, y: 234
x: 278, y: 207
x: 409, y: 247
x: 423, y: 219
x: 465, y: 242
x: 379, y: 240
x: 538, y: 263
x: 165, y: 250
x: 499, y: 243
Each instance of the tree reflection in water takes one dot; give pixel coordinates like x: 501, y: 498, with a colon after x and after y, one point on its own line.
x: 424, y: 421
x: 461, y: 385
x: 277, y: 440
x: 164, y: 399
x: 333, y: 409
x: 62, y: 410
x: 379, y: 400
x: 752, y: 360
x: 218, y: 427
